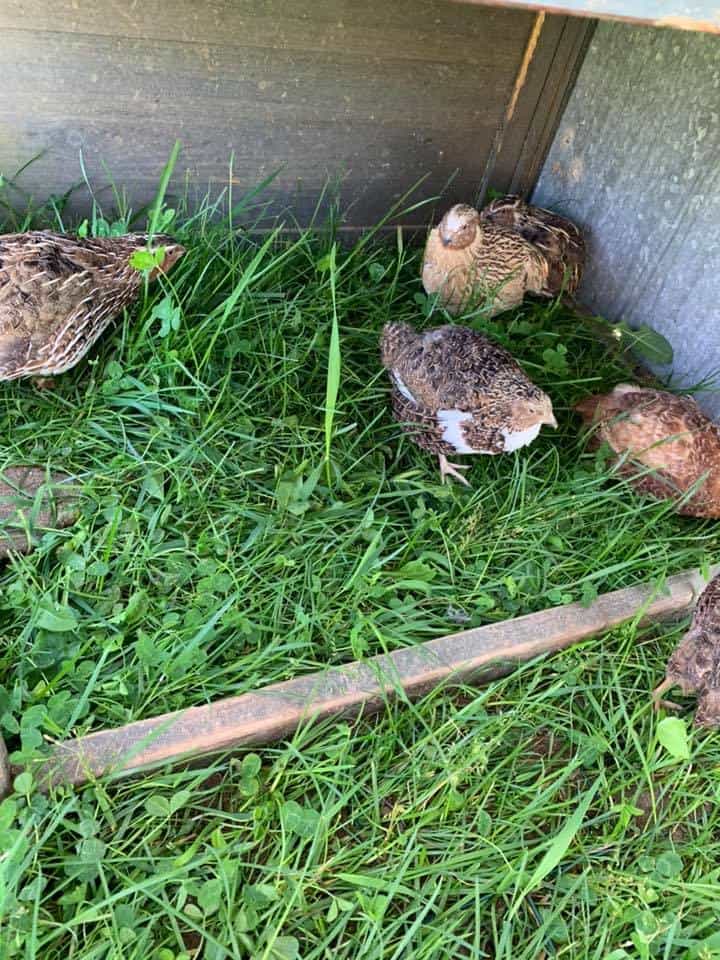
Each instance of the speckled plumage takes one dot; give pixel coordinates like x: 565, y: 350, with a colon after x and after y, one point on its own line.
x: 666, y: 433
x: 695, y: 664
x: 59, y: 293
x: 506, y: 251
x: 458, y: 392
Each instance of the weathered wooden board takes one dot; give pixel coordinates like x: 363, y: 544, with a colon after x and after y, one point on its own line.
x: 476, y: 655
x: 30, y: 503
x: 701, y: 15
x: 635, y: 162
x: 378, y: 94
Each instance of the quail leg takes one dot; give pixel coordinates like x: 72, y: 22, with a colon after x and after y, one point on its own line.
x: 448, y: 469
x: 657, y: 693
x: 43, y: 383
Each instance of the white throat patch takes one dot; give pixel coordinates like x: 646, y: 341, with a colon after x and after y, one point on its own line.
x: 520, y: 438
x: 450, y: 421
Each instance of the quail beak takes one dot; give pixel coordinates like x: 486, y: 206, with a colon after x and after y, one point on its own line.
x: 551, y: 422
x: 445, y: 241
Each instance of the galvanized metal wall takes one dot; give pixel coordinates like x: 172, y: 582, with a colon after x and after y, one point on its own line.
x: 637, y: 160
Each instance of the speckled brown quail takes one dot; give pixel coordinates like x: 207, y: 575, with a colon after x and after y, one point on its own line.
x: 59, y: 293
x: 663, y: 443
x: 458, y: 392
x: 500, y: 254
x: 695, y: 664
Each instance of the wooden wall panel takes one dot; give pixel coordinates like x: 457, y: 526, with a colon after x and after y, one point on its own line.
x: 377, y: 93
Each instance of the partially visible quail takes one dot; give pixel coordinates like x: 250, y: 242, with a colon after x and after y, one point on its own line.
x: 695, y: 664
x: 664, y: 444
x: 59, y: 293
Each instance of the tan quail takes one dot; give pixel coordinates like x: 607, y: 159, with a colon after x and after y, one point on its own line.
x: 662, y: 442
x: 500, y: 254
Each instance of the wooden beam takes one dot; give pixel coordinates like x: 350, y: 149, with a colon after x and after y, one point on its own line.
x: 702, y: 15
x: 357, y: 688
x: 543, y: 86
x: 32, y: 501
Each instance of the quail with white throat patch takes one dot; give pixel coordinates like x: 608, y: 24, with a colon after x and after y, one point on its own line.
x: 695, y: 664
x: 59, y: 293
x: 502, y: 253
x: 455, y: 391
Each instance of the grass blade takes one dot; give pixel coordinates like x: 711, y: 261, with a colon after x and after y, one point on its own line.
x: 224, y: 309
x: 334, y: 363
x: 162, y: 189
x: 559, y: 845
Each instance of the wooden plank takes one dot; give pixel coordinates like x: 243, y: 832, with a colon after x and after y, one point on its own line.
x: 30, y: 503
x: 414, y: 30
x: 377, y: 95
x: 542, y: 100
x: 547, y: 110
x: 276, y: 711
x: 702, y: 15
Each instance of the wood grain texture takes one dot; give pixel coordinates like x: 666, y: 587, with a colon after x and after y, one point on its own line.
x: 376, y: 94
x: 698, y: 15
x: 635, y: 162
x: 30, y: 503
x: 544, y: 100
x: 277, y: 711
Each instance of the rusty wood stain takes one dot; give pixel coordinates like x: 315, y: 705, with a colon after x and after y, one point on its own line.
x: 687, y: 23
x: 528, y: 54
x: 276, y: 711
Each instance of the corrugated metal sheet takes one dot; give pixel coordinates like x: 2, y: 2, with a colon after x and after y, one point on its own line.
x: 636, y: 160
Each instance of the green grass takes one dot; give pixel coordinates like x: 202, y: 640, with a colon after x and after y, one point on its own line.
x: 251, y: 512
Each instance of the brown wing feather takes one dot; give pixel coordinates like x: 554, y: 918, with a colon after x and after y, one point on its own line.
x: 695, y: 663
x: 421, y: 424
x: 556, y: 237
x: 454, y: 367
x: 707, y: 608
